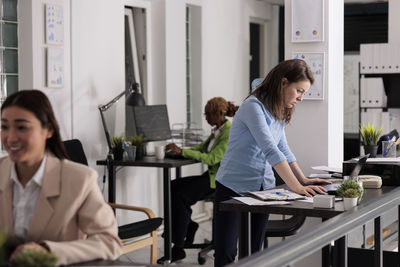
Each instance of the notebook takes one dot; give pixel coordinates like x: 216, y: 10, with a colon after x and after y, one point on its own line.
x: 332, y: 188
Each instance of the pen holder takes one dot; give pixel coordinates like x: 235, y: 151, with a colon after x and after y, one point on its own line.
x: 389, y: 149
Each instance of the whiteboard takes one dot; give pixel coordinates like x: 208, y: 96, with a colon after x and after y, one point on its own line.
x: 316, y: 63
x: 307, y: 20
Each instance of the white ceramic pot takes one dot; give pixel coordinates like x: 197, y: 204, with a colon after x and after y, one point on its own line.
x: 349, y: 203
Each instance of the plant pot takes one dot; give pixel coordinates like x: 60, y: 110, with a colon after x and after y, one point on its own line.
x: 140, y: 152
x: 349, y: 203
x: 371, y: 150
x: 118, y: 154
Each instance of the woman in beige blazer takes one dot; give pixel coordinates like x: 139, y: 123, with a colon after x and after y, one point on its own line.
x: 49, y: 202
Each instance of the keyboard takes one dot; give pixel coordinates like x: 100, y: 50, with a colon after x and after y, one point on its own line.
x: 170, y: 155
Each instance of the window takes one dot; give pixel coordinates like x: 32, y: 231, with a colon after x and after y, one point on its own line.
x: 8, y: 48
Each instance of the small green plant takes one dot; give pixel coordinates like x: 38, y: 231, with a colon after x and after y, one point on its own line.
x: 34, y: 258
x: 349, y: 188
x: 136, y: 141
x: 117, y: 142
x: 350, y: 193
x: 370, y: 134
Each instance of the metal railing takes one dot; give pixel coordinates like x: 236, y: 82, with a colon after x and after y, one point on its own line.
x: 290, y: 251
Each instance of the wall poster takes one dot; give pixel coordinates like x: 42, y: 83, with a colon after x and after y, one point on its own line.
x: 307, y: 25
x: 316, y: 63
x: 55, y: 67
x: 54, y: 24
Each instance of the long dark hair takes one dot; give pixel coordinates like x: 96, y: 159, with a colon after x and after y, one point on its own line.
x: 294, y: 70
x: 37, y: 102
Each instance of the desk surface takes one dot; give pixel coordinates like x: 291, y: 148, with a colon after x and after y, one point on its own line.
x: 152, y: 162
x: 301, y: 208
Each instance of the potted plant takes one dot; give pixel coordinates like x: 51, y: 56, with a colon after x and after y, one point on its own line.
x: 350, y: 190
x: 34, y: 258
x: 370, y: 137
x: 139, y: 143
x: 118, y: 150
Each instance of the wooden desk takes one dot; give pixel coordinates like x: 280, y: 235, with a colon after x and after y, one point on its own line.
x: 295, y: 208
x: 166, y: 164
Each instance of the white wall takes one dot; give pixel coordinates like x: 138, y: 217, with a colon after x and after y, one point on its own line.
x: 94, y: 70
x: 32, y: 55
x: 315, y: 133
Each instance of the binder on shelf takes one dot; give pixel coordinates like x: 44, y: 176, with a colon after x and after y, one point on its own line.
x: 385, y: 61
x: 376, y: 58
x: 366, y: 58
x: 376, y: 96
x: 395, y: 57
x: 385, y: 121
x: 363, y: 92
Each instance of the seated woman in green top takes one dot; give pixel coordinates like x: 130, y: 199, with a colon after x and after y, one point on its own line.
x: 187, y: 191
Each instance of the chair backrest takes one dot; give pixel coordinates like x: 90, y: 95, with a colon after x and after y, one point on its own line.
x: 75, y: 151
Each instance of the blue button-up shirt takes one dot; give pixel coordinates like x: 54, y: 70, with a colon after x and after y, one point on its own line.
x: 257, y: 141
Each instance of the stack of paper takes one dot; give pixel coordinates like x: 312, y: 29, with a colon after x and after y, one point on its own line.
x: 255, y: 202
x: 276, y: 194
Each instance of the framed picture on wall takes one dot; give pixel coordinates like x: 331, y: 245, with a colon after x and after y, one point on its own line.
x: 54, y: 24
x: 307, y: 26
x: 55, y: 67
x: 315, y: 61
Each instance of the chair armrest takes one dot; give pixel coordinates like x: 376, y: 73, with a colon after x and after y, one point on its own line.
x: 148, y: 212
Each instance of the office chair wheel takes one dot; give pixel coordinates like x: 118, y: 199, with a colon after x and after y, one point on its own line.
x: 201, y: 260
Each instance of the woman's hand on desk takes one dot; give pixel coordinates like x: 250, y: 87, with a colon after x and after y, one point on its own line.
x: 172, y: 148
x: 316, y: 181
x: 310, y: 190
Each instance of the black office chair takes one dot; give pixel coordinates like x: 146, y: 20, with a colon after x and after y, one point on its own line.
x: 285, y: 227
x: 208, y: 245
x: 128, y: 233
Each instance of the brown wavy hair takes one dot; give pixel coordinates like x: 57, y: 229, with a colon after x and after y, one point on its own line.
x: 219, y: 104
x: 294, y: 70
x: 37, y: 102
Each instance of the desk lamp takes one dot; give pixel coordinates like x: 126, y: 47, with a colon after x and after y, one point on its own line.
x: 134, y: 99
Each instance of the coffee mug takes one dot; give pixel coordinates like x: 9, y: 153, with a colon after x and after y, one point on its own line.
x: 160, y: 152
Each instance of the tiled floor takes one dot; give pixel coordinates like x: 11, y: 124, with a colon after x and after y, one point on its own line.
x: 204, y: 232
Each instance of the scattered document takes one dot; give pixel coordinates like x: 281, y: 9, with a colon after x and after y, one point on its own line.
x: 383, y: 160
x: 307, y: 199
x: 255, y: 202
x: 327, y: 169
x: 276, y: 194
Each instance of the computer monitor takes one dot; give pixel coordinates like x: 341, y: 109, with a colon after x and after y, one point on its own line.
x: 152, y: 122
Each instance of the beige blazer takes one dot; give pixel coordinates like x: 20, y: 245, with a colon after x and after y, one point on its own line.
x: 71, y: 216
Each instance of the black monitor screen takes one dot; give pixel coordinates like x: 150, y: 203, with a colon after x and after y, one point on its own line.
x: 152, y: 122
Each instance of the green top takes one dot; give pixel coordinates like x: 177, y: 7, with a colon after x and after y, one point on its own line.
x: 214, y: 157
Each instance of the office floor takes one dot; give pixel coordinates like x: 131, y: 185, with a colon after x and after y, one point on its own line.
x: 204, y: 232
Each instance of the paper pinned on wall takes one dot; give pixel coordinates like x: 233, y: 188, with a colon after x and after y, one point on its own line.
x: 55, y: 67
x: 316, y: 63
x: 307, y: 26
x: 54, y: 24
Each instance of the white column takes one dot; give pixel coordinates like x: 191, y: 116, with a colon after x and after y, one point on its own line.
x: 315, y: 133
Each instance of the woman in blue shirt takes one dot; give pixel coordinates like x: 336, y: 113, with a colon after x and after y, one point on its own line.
x: 257, y: 143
